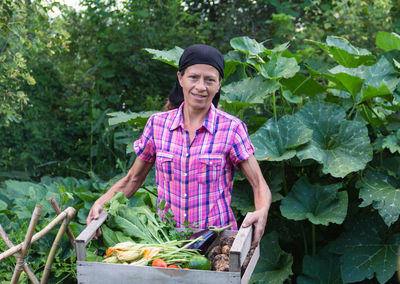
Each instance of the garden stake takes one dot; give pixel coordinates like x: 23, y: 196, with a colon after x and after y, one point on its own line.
x: 26, y: 267
x: 28, y: 237
x: 40, y: 234
x: 58, y: 211
x: 55, y: 246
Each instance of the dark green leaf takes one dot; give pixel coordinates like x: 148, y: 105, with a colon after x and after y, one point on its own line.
x: 368, y: 249
x: 300, y: 85
x: 341, y: 146
x: 377, y: 189
x: 274, y: 265
x: 323, y: 268
x: 319, y: 204
x: 277, y: 140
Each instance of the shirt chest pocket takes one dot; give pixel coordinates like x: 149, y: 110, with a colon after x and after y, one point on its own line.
x: 210, y: 167
x: 165, y: 166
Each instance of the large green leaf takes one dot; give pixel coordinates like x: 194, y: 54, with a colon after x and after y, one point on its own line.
x: 3, y: 205
x: 319, y: 204
x: 300, y: 85
x: 138, y: 118
x: 383, y: 192
x: 323, y: 268
x: 279, y: 67
x: 170, y: 57
x: 368, y: 249
x: 388, y: 41
x: 274, y: 265
x: 341, y: 146
x: 344, y: 53
x: 278, y: 140
x: 252, y: 90
x: 379, y: 79
x: 392, y: 142
x: 247, y: 45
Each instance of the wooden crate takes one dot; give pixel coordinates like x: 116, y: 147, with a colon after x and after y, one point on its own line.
x: 99, y: 273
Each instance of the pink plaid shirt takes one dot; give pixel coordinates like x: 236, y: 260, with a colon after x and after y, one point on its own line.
x: 196, y: 179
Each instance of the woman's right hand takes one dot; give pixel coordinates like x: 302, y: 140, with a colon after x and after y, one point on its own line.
x: 94, y: 214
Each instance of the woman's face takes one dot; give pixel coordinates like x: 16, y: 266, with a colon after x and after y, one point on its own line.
x: 200, y: 83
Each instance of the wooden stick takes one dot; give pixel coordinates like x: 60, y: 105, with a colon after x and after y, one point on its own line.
x: 54, y: 247
x: 58, y: 211
x: 25, y: 245
x: 40, y: 234
x: 10, y: 244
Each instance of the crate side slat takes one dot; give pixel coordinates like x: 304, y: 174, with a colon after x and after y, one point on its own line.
x: 250, y: 267
x: 90, y: 231
x: 240, y: 247
x: 104, y: 273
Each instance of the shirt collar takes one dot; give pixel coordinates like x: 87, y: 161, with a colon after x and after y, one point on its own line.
x: 209, y: 122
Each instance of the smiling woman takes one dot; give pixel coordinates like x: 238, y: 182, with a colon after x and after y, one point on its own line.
x: 200, y: 83
x: 196, y: 149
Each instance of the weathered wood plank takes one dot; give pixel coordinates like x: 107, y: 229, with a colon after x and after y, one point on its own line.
x: 240, y: 247
x: 250, y: 267
x: 89, y: 232
x: 87, y: 235
x: 105, y: 273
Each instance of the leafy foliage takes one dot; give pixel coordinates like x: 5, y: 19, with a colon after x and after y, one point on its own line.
x: 278, y: 140
x: 321, y: 205
x: 324, y: 110
x: 274, y: 267
x: 383, y: 192
x: 342, y: 146
x: 368, y: 248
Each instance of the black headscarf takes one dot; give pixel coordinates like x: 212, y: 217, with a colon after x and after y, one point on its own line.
x: 197, y: 54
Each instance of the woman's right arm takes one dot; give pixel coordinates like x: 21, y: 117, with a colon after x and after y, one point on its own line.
x: 128, y: 185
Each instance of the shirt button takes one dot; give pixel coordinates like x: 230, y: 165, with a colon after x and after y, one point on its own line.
x: 185, y: 194
x: 185, y: 174
x: 210, y: 163
x: 184, y: 214
x: 187, y: 154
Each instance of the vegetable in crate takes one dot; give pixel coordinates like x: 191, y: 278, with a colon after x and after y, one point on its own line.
x: 173, y: 253
x: 199, y: 262
x: 137, y: 223
x: 207, y: 238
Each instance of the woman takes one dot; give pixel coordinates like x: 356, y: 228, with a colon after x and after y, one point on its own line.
x: 196, y: 149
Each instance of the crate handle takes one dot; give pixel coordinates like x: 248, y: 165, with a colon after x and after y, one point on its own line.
x: 87, y: 235
x: 240, y: 247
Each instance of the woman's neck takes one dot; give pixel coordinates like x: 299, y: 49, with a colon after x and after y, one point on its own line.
x: 193, y: 118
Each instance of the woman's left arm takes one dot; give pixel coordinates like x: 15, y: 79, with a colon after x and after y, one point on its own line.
x: 262, y: 197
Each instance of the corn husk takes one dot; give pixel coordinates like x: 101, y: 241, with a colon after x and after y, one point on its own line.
x: 129, y: 255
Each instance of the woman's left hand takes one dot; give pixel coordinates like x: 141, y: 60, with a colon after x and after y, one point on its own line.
x: 257, y: 218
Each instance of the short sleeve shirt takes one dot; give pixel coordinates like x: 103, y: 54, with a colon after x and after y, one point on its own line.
x: 195, y: 179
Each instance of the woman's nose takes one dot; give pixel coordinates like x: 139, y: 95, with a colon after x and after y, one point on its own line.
x: 201, y: 84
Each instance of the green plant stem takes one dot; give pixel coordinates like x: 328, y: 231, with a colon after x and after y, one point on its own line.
x: 285, y: 189
x: 304, y: 240
x: 352, y: 110
x: 314, y: 242
x: 274, y: 104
